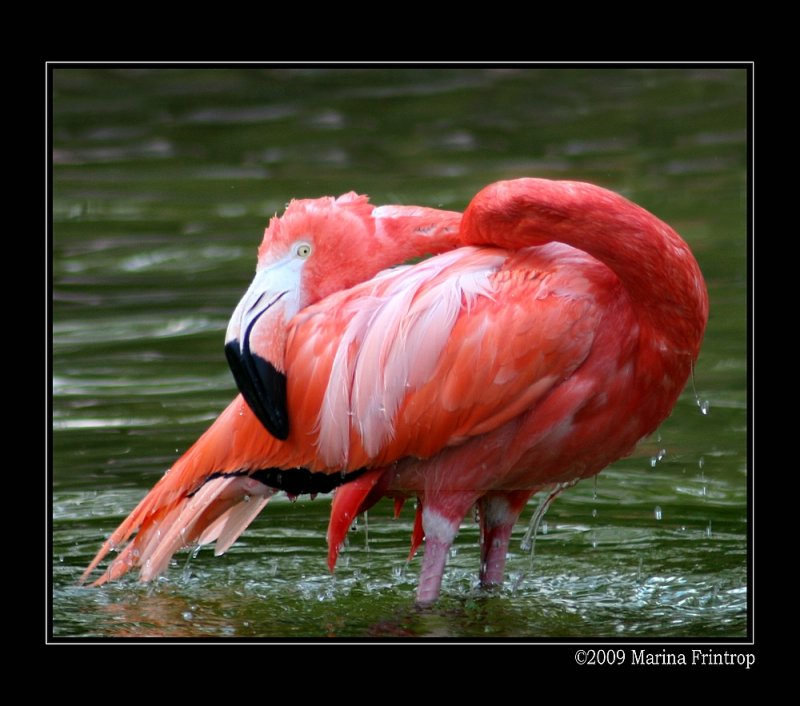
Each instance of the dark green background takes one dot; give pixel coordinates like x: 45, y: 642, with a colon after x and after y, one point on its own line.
x: 163, y: 181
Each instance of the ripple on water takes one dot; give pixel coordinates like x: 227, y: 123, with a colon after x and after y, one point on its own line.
x: 130, y: 328
x: 280, y: 561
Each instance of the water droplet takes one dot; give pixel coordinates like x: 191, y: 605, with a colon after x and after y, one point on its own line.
x: 702, y: 404
x: 594, y: 512
x: 701, y: 463
x: 544, y: 527
x: 708, y: 529
x: 246, y: 498
x: 658, y: 512
x: 594, y: 489
x: 187, y: 615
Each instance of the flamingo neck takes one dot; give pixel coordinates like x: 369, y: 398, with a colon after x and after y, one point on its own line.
x: 655, y: 266
x: 407, y: 232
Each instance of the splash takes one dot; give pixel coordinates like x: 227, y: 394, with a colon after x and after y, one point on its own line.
x: 193, y: 552
x: 528, y: 543
x: 529, y: 540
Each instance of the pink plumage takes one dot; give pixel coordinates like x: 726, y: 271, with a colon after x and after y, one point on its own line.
x: 555, y: 327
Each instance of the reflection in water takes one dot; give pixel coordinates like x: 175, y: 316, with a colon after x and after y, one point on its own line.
x: 153, y: 615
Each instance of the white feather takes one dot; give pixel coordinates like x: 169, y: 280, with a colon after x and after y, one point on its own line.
x: 399, y: 329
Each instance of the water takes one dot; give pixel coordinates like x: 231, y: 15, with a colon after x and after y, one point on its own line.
x: 549, y: 494
x: 163, y: 181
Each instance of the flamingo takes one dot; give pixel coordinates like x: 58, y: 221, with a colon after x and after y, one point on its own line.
x: 553, y: 328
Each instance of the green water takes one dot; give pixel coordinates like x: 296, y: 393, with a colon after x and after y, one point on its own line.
x: 163, y: 180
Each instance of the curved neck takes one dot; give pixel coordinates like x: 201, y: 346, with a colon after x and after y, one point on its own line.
x: 653, y: 263
x: 404, y: 233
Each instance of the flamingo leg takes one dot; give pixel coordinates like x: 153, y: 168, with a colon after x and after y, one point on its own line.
x: 441, y: 517
x: 494, y: 547
x: 498, y: 515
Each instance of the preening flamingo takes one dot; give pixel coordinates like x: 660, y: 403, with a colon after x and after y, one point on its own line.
x: 554, y: 327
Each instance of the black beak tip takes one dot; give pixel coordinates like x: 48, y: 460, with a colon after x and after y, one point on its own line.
x: 263, y: 387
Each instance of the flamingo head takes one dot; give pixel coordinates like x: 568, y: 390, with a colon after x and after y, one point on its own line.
x: 317, y: 247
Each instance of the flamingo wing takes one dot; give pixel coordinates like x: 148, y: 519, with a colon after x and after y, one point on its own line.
x: 426, y: 357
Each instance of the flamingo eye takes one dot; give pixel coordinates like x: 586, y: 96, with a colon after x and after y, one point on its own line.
x: 303, y: 250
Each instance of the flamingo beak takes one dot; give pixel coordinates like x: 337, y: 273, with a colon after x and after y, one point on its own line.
x: 254, y: 342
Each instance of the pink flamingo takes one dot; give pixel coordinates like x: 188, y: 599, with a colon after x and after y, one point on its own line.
x: 556, y: 328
